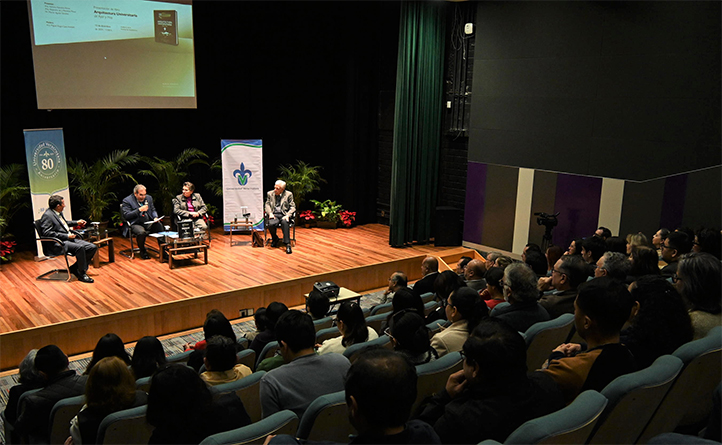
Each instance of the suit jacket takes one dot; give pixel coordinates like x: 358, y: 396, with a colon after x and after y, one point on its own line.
x: 52, y: 226
x: 559, y: 303
x: 426, y: 284
x: 288, y: 207
x: 131, y: 212
x: 180, y: 205
x: 451, y: 339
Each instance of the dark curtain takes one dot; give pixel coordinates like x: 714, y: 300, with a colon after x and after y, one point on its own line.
x: 417, y: 123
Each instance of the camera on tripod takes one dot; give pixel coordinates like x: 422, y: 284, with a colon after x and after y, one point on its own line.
x: 545, y: 219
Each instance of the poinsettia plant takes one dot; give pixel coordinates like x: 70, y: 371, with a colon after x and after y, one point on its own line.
x: 307, y: 216
x: 347, y: 218
x: 7, y: 248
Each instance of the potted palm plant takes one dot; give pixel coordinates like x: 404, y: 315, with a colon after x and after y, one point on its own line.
x: 14, y: 195
x: 301, y: 179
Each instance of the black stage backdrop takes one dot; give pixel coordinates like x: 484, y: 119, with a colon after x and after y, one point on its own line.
x: 303, y: 76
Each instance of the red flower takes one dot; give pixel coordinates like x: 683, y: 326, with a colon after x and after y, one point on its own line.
x: 347, y: 218
x: 307, y: 215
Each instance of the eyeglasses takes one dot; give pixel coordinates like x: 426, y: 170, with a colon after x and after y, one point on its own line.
x: 387, y: 332
x: 666, y: 247
x: 463, y: 354
x: 558, y: 271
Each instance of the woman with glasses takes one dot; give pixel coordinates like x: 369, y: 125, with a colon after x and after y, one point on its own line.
x: 698, y: 280
x: 410, y: 336
x: 464, y: 309
x: 352, y: 326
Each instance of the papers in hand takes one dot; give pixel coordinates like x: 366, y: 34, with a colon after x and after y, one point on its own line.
x: 155, y: 220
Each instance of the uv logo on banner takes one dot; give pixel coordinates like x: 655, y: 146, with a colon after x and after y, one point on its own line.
x: 242, y: 175
x: 46, y: 160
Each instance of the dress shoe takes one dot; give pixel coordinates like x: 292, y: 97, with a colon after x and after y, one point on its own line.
x: 288, y: 248
x: 85, y: 278
x: 274, y: 243
x: 144, y: 254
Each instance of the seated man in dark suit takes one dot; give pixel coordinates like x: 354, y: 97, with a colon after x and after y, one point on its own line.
x: 60, y: 383
x: 430, y: 270
x: 519, y: 287
x: 138, y: 209
x: 280, y: 208
x: 53, y: 224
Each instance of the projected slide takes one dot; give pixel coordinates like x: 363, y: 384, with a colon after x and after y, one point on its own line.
x: 113, y: 53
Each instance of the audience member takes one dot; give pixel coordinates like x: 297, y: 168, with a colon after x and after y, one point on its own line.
x: 474, y: 275
x: 148, y: 356
x: 492, y: 395
x: 429, y: 270
x: 260, y: 320
x: 109, y: 345
x: 708, y: 241
x: 60, y: 383
x: 613, y: 264
x: 643, y: 261
x: 698, y: 280
x: 553, y: 254
x: 568, y: 273
x: 446, y: 283
x: 306, y: 375
x: 216, y: 324
x: 397, y: 280
x: 676, y: 245
x: 29, y: 379
x: 616, y: 244
x: 503, y: 261
x: 220, y: 362
x: 494, y: 287
x: 660, y: 322
x: 461, y: 265
x: 352, y: 326
x: 273, y: 313
x: 634, y: 240
x: 177, y: 394
x: 410, y: 336
x: 404, y: 299
x: 592, y: 249
x: 600, y: 310
x: 537, y: 262
x: 520, y: 290
x: 465, y: 309
x: 603, y: 233
x: 530, y: 247
x: 317, y: 304
x: 110, y: 388
x: 658, y: 240
x: 491, y: 258
x: 575, y: 247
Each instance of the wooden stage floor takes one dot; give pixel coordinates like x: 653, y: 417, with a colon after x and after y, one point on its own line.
x: 144, y: 297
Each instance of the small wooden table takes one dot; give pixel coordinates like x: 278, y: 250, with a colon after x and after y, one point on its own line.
x: 247, y: 225
x: 192, y: 246
x: 111, y: 251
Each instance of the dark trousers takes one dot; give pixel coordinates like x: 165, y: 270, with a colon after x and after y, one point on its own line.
x: 285, y: 227
x: 140, y: 231
x: 83, y: 252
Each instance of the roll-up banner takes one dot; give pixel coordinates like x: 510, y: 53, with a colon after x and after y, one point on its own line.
x: 242, y: 181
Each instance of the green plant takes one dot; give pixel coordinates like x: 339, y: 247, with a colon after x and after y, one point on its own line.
x: 170, y: 175
x: 216, y: 186
x: 327, y: 210
x: 301, y: 179
x: 95, y: 182
x: 14, y: 192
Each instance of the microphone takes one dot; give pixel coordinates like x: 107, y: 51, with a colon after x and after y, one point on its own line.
x: 145, y: 202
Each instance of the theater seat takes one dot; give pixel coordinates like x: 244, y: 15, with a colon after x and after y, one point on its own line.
x: 282, y: 422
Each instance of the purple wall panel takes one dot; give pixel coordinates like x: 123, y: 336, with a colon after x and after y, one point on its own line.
x: 577, y: 201
x: 474, y: 209
x: 675, y: 192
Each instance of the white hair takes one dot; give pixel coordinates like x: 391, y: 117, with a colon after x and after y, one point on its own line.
x: 281, y: 183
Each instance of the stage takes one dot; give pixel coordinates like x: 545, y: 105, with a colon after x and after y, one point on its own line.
x: 139, y: 297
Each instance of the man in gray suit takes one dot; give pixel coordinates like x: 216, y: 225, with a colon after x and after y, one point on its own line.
x: 280, y: 208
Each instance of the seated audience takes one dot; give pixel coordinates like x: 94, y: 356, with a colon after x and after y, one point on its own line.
x: 177, y: 394
x: 429, y: 270
x: 635, y: 240
x: 658, y: 240
x: 492, y: 395
x: 216, y: 324
x: 465, y: 309
x: 404, y: 299
x: 708, y: 241
x: 293, y: 386
x: 603, y: 233
x: 660, y: 322
x: 676, y: 245
x: 60, y: 383
x: 461, y: 265
x: 698, y: 280
x: 530, y: 247
x: 503, y: 261
x: 220, y: 362
x: 109, y: 345
x: 568, y: 273
x: 446, y: 283
x: 613, y: 264
x: 537, y: 261
x: 617, y: 244
x: 260, y: 320
x: 352, y: 326
x: 397, y: 280
x: 148, y: 356
x: 575, y: 247
x: 317, y: 305
x: 494, y: 287
x: 592, y: 249
x: 474, y: 275
x: 553, y: 254
x: 410, y: 336
x: 643, y: 261
x: 110, y: 388
x: 28, y: 379
x: 521, y: 292
x: 600, y: 310
x: 491, y: 258
x: 273, y: 313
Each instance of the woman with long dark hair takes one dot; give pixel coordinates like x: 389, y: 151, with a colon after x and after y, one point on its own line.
x: 464, y: 309
x: 644, y: 262
x: 410, y: 336
x: 148, y: 356
x: 352, y: 325
x: 109, y: 345
x: 698, y: 280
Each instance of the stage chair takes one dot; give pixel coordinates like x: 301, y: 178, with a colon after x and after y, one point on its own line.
x: 382, y: 308
x: 322, y: 323
x: 55, y: 274
x: 130, y: 253
x: 247, y: 389
x: 325, y: 334
x: 60, y: 416
x: 268, y: 351
x: 432, y: 376
x: 126, y: 426
x: 291, y: 230
x: 326, y: 419
x: 569, y: 425
x: 353, y: 351
x: 282, y: 422
x: 633, y: 399
x: 541, y: 338
x: 689, y: 401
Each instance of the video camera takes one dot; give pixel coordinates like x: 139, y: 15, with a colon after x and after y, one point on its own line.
x: 544, y: 219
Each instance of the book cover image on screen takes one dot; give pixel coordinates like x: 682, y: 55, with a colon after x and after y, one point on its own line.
x: 113, y: 53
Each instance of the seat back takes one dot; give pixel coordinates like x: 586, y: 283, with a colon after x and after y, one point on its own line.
x: 124, y: 427
x: 325, y: 334
x: 570, y: 425
x: 382, y: 308
x: 323, y: 323
x: 375, y: 321
x: 633, y: 399
x: 353, y: 351
x: 268, y: 351
x: 437, y: 326
x: 543, y: 337
x: 180, y: 358
x: 282, y: 422
x: 690, y: 398
x: 326, y: 419
x: 60, y: 416
x: 432, y: 376
x: 498, y: 307
x: 243, y: 342
x: 430, y: 307
x: 248, y: 390
x: 428, y: 296
x: 247, y: 357
x: 143, y: 383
